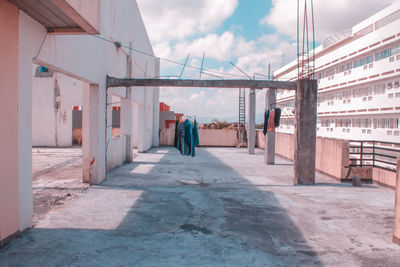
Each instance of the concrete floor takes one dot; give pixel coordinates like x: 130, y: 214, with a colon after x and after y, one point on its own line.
x: 221, y: 208
x: 57, y: 178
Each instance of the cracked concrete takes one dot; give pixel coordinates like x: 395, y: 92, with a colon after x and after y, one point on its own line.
x: 237, y: 211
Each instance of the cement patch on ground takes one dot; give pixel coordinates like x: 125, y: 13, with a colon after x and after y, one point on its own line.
x: 249, y: 214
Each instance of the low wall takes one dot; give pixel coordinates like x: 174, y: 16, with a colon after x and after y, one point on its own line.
x: 260, y: 139
x: 207, y: 137
x: 167, y: 136
x: 384, y: 177
x: 396, y: 232
x: 224, y: 137
x: 116, y: 152
x: 284, y: 145
x: 332, y: 155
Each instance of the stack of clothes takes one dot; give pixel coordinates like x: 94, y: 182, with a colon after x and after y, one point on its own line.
x: 186, y: 137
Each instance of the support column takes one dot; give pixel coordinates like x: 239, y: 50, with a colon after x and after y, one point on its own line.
x: 252, y: 121
x: 156, y: 107
x: 126, y: 122
x: 305, y: 132
x: 396, y: 233
x: 269, y: 150
x: 94, y: 134
x: 127, y: 110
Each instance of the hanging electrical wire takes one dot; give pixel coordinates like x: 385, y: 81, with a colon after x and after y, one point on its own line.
x: 205, y: 71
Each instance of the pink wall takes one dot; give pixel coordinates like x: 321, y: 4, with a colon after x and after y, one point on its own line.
x: 331, y: 155
x: 9, y: 187
x: 207, y: 137
x: 396, y: 235
x: 384, y: 177
x: 284, y: 145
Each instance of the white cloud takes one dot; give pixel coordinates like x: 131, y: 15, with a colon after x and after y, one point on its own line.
x: 330, y: 16
x: 169, y: 20
x: 218, y: 47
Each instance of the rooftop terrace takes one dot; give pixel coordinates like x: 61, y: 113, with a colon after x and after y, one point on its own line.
x: 222, y: 208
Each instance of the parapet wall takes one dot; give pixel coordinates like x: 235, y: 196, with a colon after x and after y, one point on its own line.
x: 207, y: 137
x: 332, y: 155
x: 116, y: 152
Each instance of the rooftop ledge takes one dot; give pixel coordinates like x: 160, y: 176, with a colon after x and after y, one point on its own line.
x: 64, y: 16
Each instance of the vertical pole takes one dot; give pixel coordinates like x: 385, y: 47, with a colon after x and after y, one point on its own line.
x: 252, y: 120
x: 269, y: 150
x: 94, y: 136
x: 127, y: 110
x: 396, y: 233
x: 156, y: 107
x: 305, y: 131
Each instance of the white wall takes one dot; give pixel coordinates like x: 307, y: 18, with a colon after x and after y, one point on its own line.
x: 89, y: 60
x: 52, y: 102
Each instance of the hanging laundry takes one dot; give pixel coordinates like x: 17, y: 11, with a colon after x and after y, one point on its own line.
x: 187, y: 137
x: 277, y: 117
x: 266, y: 117
x: 196, y: 134
x: 271, y: 121
x: 176, y: 134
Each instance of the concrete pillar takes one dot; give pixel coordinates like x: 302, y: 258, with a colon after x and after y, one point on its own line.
x: 305, y: 132
x: 156, y: 107
x: 126, y: 122
x: 252, y: 121
x: 269, y: 150
x: 396, y: 233
x: 10, y: 123
x: 94, y: 134
x: 127, y: 110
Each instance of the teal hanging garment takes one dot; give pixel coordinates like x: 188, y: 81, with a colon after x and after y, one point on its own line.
x: 196, y: 134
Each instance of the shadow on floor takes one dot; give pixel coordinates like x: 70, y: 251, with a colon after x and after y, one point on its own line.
x: 223, y: 221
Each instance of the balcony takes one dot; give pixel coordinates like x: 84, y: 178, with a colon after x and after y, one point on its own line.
x: 64, y: 16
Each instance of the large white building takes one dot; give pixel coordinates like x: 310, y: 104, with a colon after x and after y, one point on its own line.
x: 358, y: 74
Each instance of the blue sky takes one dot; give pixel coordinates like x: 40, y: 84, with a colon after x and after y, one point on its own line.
x: 249, y: 33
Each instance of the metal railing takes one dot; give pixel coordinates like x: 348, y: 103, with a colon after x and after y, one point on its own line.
x: 374, y: 154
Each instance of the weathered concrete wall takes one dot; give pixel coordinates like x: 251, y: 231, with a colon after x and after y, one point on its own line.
x: 52, y: 102
x: 284, y: 145
x: 332, y: 156
x: 260, y: 139
x: 167, y: 136
x: 9, y: 92
x: 384, y: 177
x: 396, y: 233
x: 166, y: 115
x: 207, y: 137
x: 116, y: 152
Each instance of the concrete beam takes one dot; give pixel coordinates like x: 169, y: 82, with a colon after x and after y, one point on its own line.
x: 305, y: 132
x: 256, y: 84
x: 269, y: 150
x: 252, y: 121
x: 396, y: 233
